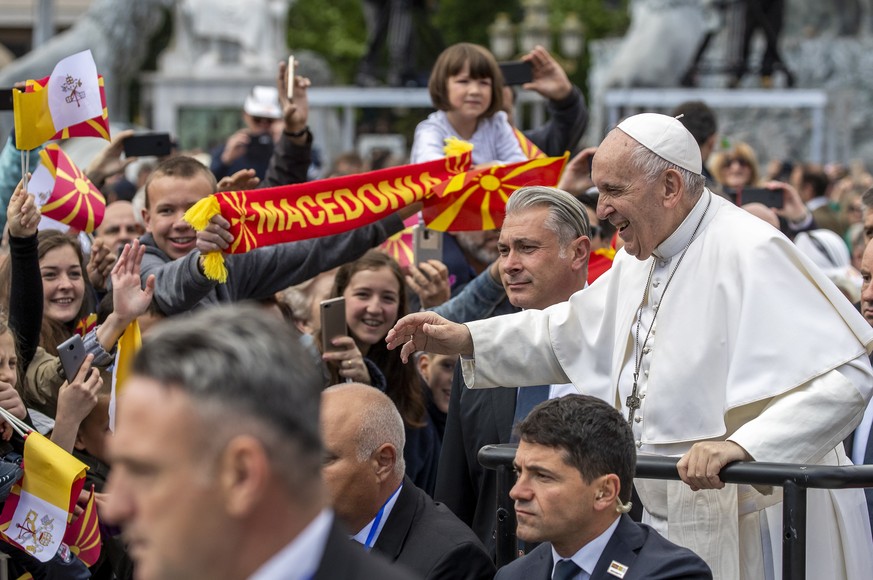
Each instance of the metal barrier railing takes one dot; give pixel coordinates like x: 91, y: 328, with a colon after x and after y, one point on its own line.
x: 792, y: 478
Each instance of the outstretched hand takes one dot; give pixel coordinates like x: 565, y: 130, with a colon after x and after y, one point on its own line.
x: 240, y: 181
x: 429, y: 332
x: 129, y: 299
x: 430, y: 280
x: 576, y: 178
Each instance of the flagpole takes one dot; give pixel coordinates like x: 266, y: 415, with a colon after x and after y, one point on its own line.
x: 17, y: 424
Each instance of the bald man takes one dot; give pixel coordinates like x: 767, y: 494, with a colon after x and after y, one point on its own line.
x: 364, y: 472
x: 119, y: 226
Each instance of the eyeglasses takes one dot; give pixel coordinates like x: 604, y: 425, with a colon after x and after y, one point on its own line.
x: 742, y: 161
x: 262, y: 120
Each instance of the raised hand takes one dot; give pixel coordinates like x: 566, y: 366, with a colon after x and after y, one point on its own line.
x: 22, y: 215
x: 129, y: 299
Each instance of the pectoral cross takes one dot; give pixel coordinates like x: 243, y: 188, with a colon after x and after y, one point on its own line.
x: 633, y: 402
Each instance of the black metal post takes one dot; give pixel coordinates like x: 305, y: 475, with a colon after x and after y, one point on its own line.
x: 506, y: 544
x: 500, y: 458
x: 793, y: 531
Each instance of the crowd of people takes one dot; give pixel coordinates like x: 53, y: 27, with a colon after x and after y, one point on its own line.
x: 641, y: 307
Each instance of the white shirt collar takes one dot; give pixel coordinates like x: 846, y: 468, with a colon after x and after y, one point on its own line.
x: 588, y: 555
x: 817, y: 202
x: 299, y: 560
x: 677, y: 241
x: 361, y: 537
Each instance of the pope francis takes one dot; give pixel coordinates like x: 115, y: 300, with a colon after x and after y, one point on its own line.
x: 717, y: 340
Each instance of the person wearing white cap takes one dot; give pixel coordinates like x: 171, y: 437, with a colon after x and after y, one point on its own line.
x: 251, y: 146
x: 717, y: 339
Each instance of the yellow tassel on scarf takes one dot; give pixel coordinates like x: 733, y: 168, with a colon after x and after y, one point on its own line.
x: 198, y: 215
x: 455, y: 146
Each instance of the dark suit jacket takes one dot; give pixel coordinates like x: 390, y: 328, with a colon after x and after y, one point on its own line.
x: 477, y: 417
x: 427, y: 538
x: 644, y: 552
x: 346, y: 559
x: 849, y: 443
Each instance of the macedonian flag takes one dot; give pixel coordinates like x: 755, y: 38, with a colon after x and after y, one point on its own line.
x: 74, y: 200
x: 399, y: 246
x: 83, y: 535
x: 302, y: 211
x: 476, y: 200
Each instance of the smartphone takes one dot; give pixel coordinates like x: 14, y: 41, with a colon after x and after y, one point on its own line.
x: 6, y: 99
x: 769, y: 197
x: 289, y: 79
x: 516, y: 72
x: 72, y: 355
x: 148, y: 145
x: 333, y: 321
x: 260, y: 147
x: 427, y: 244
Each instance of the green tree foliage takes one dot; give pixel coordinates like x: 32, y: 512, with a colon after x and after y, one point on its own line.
x: 334, y: 29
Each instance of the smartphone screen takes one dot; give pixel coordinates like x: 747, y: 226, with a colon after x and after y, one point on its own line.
x: 517, y: 72
x: 5, y: 99
x: 769, y: 197
x: 148, y: 145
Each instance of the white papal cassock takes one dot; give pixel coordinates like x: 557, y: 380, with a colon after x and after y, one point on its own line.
x: 751, y: 343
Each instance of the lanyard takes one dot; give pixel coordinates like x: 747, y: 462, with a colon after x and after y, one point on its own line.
x: 371, y: 536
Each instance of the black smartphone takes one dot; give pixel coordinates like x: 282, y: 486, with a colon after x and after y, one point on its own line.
x: 260, y: 147
x: 427, y: 245
x: 5, y: 99
x: 333, y: 321
x: 516, y: 72
x: 769, y: 197
x: 72, y: 355
x: 148, y: 145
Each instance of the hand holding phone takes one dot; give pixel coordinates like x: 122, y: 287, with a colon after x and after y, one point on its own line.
x: 333, y: 322
x: 289, y: 78
x: 72, y: 355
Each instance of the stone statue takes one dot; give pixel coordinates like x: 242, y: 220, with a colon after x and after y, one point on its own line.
x: 116, y: 31
x: 659, y: 45
x: 216, y: 35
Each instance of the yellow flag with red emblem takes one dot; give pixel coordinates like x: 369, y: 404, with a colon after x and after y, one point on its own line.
x: 476, y: 200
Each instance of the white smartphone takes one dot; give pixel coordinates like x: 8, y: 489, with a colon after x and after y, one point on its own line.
x: 289, y: 80
x: 427, y: 244
x: 72, y: 355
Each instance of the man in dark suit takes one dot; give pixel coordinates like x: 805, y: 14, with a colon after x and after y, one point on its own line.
x: 364, y: 471
x: 543, y: 260
x: 216, y: 461
x: 859, y: 445
x: 575, y: 465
